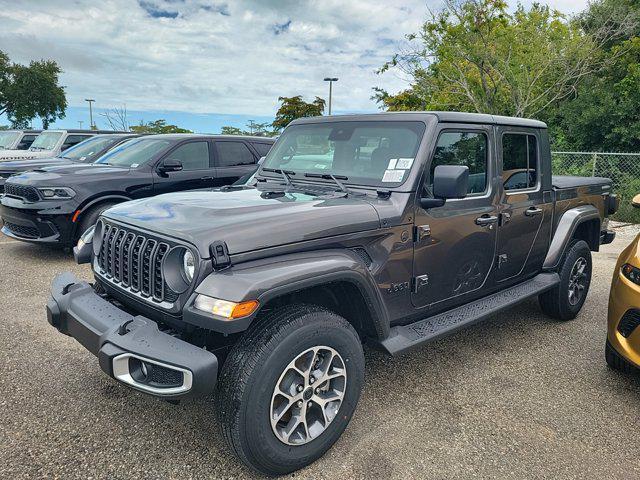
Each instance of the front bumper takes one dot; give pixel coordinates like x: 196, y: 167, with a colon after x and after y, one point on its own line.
x: 34, y: 223
x: 623, y: 326
x: 130, y: 348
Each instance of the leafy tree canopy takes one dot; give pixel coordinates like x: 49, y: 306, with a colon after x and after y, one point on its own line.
x: 158, y: 126
x: 27, y: 92
x: 295, y: 107
x: 252, y: 128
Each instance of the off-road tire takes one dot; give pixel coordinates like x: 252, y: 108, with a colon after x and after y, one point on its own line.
x: 615, y: 360
x: 555, y: 302
x: 90, y: 217
x: 252, y: 369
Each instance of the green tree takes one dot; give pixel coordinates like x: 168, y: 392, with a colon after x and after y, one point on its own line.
x: 252, y: 128
x: 231, y: 131
x: 158, y: 126
x: 477, y: 56
x: 27, y: 92
x: 295, y: 107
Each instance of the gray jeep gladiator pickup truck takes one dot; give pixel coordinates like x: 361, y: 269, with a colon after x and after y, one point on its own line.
x: 392, y: 229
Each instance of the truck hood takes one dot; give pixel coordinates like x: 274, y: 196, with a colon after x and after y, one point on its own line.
x: 24, y: 165
x: 9, y: 155
x: 247, y: 219
x: 65, y: 175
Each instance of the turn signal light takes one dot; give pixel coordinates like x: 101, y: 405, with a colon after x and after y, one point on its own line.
x: 225, y: 308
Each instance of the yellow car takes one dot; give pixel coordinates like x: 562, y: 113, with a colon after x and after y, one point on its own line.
x: 622, y: 350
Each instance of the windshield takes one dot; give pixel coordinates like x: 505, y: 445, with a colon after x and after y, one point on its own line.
x: 46, y: 141
x: 134, y: 152
x: 361, y: 153
x: 87, y: 150
x: 8, y: 138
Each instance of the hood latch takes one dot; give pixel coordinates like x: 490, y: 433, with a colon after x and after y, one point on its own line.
x: 220, y: 255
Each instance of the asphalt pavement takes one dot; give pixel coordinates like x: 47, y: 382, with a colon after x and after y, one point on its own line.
x: 518, y: 396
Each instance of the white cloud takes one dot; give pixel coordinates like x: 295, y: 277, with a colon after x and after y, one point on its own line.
x: 234, y: 56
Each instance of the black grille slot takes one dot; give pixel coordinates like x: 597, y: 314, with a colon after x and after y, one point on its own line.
x: 134, y: 262
x: 22, y: 231
x: 629, y: 322
x: 364, y: 256
x: 30, y: 194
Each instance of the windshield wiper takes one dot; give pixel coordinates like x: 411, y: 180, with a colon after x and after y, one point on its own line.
x: 285, y: 174
x: 329, y: 176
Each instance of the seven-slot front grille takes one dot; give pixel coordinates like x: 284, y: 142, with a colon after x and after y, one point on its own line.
x: 134, y: 262
x: 28, y: 193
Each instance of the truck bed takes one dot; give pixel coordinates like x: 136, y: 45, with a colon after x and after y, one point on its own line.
x: 567, y: 181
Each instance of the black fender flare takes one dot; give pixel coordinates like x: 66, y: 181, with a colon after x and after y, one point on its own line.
x: 270, y: 278
x: 95, y: 201
x: 565, y: 230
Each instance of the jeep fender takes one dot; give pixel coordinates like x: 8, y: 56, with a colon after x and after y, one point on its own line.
x: 267, y: 279
x: 567, y: 226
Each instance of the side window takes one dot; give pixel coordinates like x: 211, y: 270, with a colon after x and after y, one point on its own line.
x: 463, y: 148
x: 262, y: 148
x: 72, y: 140
x: 231, y: 154
x: 26, y: 141
x: 193, y: 155
x: 519, y: 161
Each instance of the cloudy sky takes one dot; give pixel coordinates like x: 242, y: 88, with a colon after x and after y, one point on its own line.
x: 233, y: 57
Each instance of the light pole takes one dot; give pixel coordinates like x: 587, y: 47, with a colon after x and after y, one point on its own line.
x: 330, y: 80
x: 80, y: 122
x: 90, y: 100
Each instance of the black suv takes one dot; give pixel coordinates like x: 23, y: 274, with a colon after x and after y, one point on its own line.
x: 86, y: 151
x: 391, y: 229
x: 54, y: 205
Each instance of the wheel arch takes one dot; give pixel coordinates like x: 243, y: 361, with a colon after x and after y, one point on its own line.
x: 333, y: 279
x: 581, y: 223
x: 114, y: 198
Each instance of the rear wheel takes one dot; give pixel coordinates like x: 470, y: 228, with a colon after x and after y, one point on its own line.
x: 289, y: 388
x: 564, y: 301
x: 615, y: 360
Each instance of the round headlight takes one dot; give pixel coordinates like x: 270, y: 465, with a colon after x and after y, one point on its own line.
x: 188, y: 265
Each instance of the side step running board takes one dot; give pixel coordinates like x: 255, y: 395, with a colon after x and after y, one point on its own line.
x: 406, y: 337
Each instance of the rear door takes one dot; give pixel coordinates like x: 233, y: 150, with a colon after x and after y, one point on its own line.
x: 454, y: 245
x: 234, y: 159
x: 197, y: 170
x: 521, y: 246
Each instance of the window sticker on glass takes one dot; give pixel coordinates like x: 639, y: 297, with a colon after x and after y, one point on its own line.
x: 392, y: 163
x: 134, y: 165
x: 321, y: 166
x: 404, y: 163
x: 393, y: 175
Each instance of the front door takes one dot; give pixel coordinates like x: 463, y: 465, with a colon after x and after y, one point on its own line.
x: 455, y: 244
x: 521, y: 245
x: 197, y: 168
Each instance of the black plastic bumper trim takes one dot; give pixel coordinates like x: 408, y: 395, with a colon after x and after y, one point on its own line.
x: 75, y: 309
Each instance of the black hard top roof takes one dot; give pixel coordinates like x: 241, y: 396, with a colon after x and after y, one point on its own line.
x: 179, y: 136
x: 446, y: 117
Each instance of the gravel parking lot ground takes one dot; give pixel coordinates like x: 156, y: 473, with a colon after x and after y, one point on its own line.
x: 519, y: 396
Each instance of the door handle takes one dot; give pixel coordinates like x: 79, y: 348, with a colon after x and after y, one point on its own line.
x: 206, y: 179
x: 532, y: 211
x: 486, y: 220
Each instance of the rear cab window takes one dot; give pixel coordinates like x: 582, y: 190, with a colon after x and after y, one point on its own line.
x: 262, y: 148
x: 519, y: 161
x: 232, y: 154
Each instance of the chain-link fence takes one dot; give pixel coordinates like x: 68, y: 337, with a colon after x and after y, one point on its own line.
x: 622, y: 168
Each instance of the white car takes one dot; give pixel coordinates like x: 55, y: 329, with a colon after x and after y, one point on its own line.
x: 17, y: 139
x: 49, y: 144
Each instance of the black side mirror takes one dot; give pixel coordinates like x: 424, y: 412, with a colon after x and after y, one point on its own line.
x: 449, y: 181
x: 170, y: 166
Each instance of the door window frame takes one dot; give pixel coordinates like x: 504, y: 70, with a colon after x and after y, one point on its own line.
x: 506, y: 130
x: 167, y: 154
x: 487, y: 130
x: 253, y: 153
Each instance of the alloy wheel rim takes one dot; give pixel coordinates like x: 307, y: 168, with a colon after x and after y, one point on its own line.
x: 577, y: 281
x: 308, y: 395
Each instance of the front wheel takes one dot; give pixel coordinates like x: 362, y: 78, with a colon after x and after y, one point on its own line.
x: 564, y: 301
x: 289, y: 388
